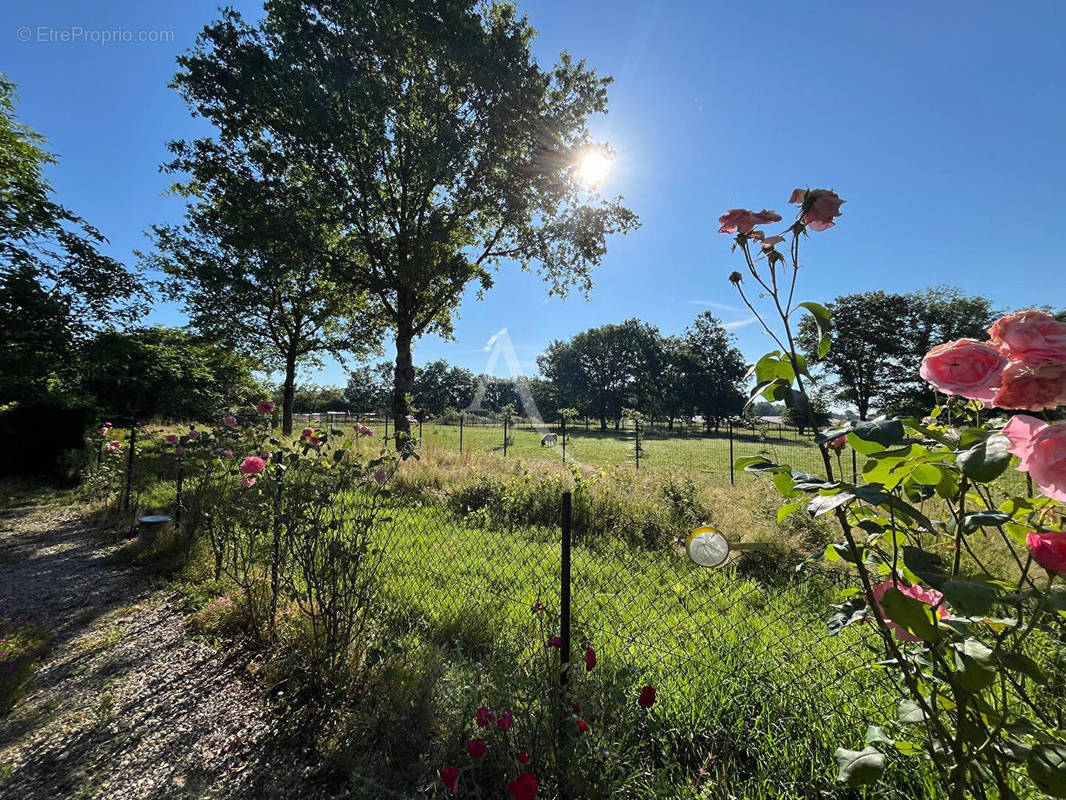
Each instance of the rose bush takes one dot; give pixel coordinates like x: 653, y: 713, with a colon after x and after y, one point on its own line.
x: 957, y: 571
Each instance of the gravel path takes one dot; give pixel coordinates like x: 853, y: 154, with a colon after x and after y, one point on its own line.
x: 124, y: 704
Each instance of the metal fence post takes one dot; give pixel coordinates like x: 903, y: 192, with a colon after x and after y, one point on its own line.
x: 564, y: 438
x: 460, y: 434
x: 732, y: 469
x: 420, y: 430
x: 636, y: 441
x: 177, y: 495
x: 386, y: 427
x: 505, y: 437
x: 129, y: 467
x: 854, y: 467
x: 564, y: 632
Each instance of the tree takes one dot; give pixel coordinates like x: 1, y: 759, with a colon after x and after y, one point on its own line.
x: 607, y: 368
x: 441, y: 147
x: 369, y: 389
x: 720, y: 367
x: 439, y: 386
x: 879, y: 340
x: 165, y: 372
x: 247, y: 265
x: 55, y: 285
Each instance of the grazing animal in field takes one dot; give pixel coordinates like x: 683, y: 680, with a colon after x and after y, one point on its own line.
x: 548, y: 440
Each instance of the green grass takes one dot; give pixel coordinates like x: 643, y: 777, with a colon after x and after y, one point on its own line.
x: 693, y: 454
x: 746, y: 674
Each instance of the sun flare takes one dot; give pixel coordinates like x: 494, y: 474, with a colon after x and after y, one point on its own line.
x: 593, y: 168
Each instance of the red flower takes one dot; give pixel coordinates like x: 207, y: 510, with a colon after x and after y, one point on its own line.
x: 449, y: 776
x: 647, y: 697
x: 524, y: 757
x: 307, y: 433
x: 555, y: 641
x: 484, y: 716
x: 477, y: 748
x: 582, y: 726
x: 590, y: 659
x: 506, y: 720
x: 1048, y: 550
x: 524, y: 787
x: 266, y: 407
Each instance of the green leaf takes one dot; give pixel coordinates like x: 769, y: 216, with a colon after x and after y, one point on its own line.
x: 1019, y: 662
x: 788, y: 510
x: 912, y: 615
x: 1047, y: 767
x: 875, y: 735
x: 859, y: 767
x: 929, y: 567
x: 824, y: 503
x: 756, y: 462
x: 823, y: 322
x: 908, y: 748
x: 784, y: 483
x: 972, y: 598
x: 927, y: 475
x: 986, y: 460
x: 886, y: 432
x: 910, y: 713
x: 974, y: 666
x: 972, y: 522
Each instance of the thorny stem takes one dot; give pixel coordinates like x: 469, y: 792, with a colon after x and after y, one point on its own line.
x: 864, y: 577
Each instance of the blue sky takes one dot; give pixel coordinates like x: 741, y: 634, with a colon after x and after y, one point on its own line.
x: 942, y: 124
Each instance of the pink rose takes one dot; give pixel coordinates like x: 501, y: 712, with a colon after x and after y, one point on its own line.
x: 114, y: 445
x: 179, y: 450
x: 819, y: 206
x: 307, y: 433
x: 741, y: 220
x: 1031, y: 387
x: 252, y: 465
x: 1047, y: 460
x: 248, y: 481
x: 483, y: 716
x: 477, y: 748
x: 314, y: 441
x: 840, y: 442
x: 103, y: 431
x: 229, y: 421
x: 363, y: 430
x: 1020, y: 431
x: 931, y: 598
x: 194, y: 434
x: 965, y: 367
x: 1030, y: 336
x: 1048, y: 550
x: 172, y: 438
x: 264, y: 407
x: 555, y: 641
x: 381, y: 476
x: 107, y: 424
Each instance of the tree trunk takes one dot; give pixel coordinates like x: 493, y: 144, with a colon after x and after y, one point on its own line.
x: 288, y: 394
x: 403, y: 380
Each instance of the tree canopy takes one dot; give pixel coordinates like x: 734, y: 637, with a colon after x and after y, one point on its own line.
x: 440, y: 148
x: 880, y: 338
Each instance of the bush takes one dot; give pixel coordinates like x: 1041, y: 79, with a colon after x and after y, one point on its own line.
x: 34, y: 438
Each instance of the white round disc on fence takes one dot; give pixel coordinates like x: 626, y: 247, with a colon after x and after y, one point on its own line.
x: 707, y: 547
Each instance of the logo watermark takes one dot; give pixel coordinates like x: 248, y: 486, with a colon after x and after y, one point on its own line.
x: 76, y: 34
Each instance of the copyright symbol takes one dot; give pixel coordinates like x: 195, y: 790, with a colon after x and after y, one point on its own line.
x: 23, y: 34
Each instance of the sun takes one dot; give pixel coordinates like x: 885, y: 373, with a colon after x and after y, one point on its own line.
x: 593, y: 167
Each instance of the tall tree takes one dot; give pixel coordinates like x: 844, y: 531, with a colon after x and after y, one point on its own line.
x: 609, y: 368
x: 369, y: 389
x: 443, y: 149
x: 248, y: 265
x: 879, y: 340
x: 55, y: 285
x: 714, y: 385
x: 438, y: 386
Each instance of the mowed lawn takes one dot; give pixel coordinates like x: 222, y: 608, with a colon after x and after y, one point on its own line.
x: 695, y: 455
